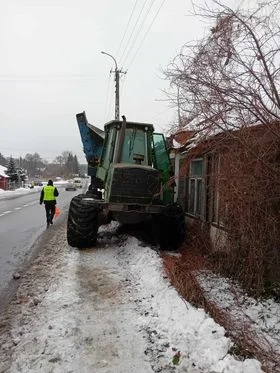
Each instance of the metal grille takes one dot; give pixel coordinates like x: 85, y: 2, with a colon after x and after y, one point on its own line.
x: 135, y: 182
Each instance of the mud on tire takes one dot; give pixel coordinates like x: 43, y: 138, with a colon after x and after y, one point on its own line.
x: 82, y: 224
x: 171, y: 227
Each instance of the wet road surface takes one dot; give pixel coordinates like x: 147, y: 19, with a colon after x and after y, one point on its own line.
x: 22, y: 221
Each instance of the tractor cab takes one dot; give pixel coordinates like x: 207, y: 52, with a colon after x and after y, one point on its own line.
x: 132, y: 149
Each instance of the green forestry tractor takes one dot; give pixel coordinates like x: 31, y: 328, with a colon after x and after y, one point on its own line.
x: 131, y: 182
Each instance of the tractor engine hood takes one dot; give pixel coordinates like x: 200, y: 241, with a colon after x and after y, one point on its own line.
x: 131, y: 183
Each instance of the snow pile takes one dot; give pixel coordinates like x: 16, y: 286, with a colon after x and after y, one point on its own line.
x: 21, y: 191
x: 7, y: 194
x: 173, y: 322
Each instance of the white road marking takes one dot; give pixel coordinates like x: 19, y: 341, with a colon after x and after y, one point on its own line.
x: 30, y: 204
x: 18, y: 208
x: 5, y: 212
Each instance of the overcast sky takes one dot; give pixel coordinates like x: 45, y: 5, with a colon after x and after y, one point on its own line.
x: 51, y: 67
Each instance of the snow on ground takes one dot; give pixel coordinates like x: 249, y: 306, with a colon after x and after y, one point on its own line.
x: 17, y: 192
x: 7, y: 194
x: 265, y: 314
x: 260, y: 319
x: 108, y: 309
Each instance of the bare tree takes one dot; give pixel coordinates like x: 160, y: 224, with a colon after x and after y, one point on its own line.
x: 33, y: 163
x: 228, y: 82
x: 59, y: 160
x: 230, y: 78
x: 65, y: 155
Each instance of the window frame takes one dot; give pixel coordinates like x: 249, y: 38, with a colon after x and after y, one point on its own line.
x: 196, y: 179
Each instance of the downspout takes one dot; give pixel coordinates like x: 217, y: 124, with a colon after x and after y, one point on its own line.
x: 176, y: 174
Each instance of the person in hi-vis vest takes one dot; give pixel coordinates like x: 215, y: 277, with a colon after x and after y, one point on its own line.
x: 48, y: 194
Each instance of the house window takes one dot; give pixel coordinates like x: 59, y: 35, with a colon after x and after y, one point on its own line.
x: 195, y: 187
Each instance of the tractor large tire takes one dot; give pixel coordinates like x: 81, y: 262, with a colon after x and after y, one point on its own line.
x: 171, y: 228
x: 82, y: 224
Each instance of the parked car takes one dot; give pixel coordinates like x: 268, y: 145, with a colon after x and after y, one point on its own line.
x: 78, y: 182
x: 71, y: 186
x: 35, y: 183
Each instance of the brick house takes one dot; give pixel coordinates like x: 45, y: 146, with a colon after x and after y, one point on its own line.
x: 4, y: 179
x: 231, y: 170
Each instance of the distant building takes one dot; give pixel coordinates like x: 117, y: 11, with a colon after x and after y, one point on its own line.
x: 4, y: 179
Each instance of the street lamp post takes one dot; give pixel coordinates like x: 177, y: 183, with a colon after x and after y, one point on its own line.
x: 117, y: 94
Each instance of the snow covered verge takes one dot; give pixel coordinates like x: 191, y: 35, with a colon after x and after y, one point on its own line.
x: 109, y: 309
x: 254, y: 321
x: 7, y: 194
x: 253, y: 324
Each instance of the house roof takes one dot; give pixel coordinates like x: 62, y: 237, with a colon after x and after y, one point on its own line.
x: 181, y: 138
x: 205, y: 143
x: 2, y: 171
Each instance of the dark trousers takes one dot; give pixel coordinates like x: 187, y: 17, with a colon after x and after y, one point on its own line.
x: 50, y: 210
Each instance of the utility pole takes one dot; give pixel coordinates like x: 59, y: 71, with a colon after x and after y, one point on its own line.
x: 117, y: 85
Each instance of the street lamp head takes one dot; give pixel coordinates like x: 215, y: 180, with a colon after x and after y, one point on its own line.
x: 107, y: 54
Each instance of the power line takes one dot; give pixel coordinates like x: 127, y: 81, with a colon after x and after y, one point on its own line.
x: 132, y: 32
x: 142, y: 41
x: 131, y: 42
x: 161, y: 112
x: 127, y: 25
x: 139, y: 30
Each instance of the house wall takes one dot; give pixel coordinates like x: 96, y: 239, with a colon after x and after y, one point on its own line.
x: 205, y: 184
x: 4, y: 183
x: 224, y: 186
x: 218, y: 238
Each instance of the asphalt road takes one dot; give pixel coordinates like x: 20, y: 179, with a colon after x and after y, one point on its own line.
x: 22, y: 222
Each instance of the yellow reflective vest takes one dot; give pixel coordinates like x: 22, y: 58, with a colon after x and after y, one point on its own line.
x: 49, y: 193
